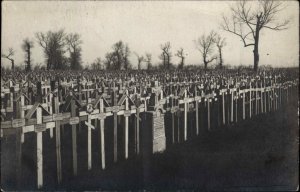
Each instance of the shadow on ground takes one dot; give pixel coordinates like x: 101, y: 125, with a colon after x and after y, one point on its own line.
x: 260, y: 154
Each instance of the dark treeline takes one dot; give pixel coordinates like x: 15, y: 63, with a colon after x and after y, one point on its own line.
x: 62, y: 51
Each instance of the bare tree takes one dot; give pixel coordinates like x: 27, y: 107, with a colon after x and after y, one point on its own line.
x: 9, y: 56
x: 53, y: 44
x: 109, y: 60
x: 166, y: 55
x: 125, y: 57
x: 119, y: 57
x: 44, y: 42
x: 97, y: 64
x: 118, y: 52
x: 140, y: 60
x: 246, y: 22
x: 148, y: 61
x: 27, y: 46
x: 220, y: 43
x: 205, y: 45
x: 73, y: 43
x: 180, y: 54
x: 162, y: 57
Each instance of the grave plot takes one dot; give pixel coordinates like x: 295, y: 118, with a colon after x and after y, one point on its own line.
x: 66, y: 126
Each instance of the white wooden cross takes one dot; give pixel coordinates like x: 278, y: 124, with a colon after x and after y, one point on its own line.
x: 22, y: 115
x: 261, y: 97
x: 89, y: 135
x: 173, y: 110
x: 209, y: 98
x: 115, y: 110
x: 223, y: 92
x: 58, y: 143
x: 186, y: 100
x: 250, y: 100
x: 97, y: 114
x: 39, y: 148
x: 145, y: 100
x: 232, y: 91
x: 127, y: 114
x: 73, y: 121
x: 243, y: 91
x: 102, y: 117
x: 197, y: 100
x: 48, y: 103
x: 18, y: 124
x: 138, y: 119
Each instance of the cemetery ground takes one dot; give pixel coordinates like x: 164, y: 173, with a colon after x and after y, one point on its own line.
x: 256, y: 154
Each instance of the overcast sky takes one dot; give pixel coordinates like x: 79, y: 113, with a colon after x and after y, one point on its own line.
x: 144, y: 26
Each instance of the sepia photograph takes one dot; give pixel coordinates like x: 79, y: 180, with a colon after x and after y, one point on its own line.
x: 150, y: 95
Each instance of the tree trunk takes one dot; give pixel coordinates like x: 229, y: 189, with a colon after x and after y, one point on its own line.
x: 28, y: 60
x: 221, y: 60
x: 255, y: 51
x: 256, y: 58
x: 12, y: 65
x: 204, y: 61
x: 168, y: 61
x: 205, y: 65
x: 48, y: 64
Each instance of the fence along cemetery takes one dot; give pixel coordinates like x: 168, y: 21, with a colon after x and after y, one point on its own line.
x: 67, y: 120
